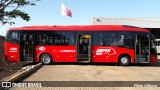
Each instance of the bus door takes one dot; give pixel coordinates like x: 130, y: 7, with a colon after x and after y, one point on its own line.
x: 84, y: 48
x: 142, y: 49
x: 158, y: 48
x: 26, y: 47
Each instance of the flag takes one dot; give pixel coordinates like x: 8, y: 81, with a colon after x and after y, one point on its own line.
x: 65, y: 11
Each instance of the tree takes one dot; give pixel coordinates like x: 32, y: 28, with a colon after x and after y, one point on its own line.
x: 10, y: 9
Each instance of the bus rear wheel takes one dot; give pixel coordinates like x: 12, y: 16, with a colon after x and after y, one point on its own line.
x: 46, y: 59
x: 124, y: 60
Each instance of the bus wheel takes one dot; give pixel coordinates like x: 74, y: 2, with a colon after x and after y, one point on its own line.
x: 46, y: 59
x: 124, y: 60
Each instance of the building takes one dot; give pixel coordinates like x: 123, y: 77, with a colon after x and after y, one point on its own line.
x: 152, y: 24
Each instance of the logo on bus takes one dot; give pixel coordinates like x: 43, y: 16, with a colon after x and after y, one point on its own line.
x: 108, y: 51
x: 13, y: 49
x: 67, y: 51
x: 42, y: 48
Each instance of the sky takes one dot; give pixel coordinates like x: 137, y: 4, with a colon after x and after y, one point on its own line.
x: 48, y: 12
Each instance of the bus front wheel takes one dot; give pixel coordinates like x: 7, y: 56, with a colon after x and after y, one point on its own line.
x: 124, y: 60
x: 46, y: 59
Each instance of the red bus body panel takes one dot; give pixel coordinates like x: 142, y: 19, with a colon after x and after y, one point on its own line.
x: 12, y: 52
x: 153, y: 59
x: 69, y: 53
x: 110, y: 54
x: 58, y: 53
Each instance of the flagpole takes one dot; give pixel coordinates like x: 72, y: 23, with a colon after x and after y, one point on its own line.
x: 61, y: 19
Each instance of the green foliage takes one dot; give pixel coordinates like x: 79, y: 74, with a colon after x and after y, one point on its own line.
x: 10, y: 9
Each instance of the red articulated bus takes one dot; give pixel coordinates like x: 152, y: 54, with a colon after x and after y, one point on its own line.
x: 82, y: 43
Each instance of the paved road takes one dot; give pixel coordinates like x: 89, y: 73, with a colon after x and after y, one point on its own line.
x: 84, y: 72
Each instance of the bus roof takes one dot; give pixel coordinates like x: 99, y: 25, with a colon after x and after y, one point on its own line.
x: 83, y: 28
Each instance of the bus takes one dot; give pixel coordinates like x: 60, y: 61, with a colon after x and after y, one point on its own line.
x: 158, y: 48
x: 119, y: 44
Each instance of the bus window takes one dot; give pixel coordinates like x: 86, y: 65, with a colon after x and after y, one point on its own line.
x: 13, y: 36
x: 95, y: 38
x: 44, y: 41
x: 105, y: 38
x: 120, y: 40
x: 128, y: 41
x: 125, y: 40
x: 101, y: 39
x: 112, y: 39
x: 38, y: 39
x: 62, y: 40
x: 68, y: 38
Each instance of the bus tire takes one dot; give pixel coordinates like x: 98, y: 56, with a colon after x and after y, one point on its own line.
x: 46, y: 59
x: 124, y: 60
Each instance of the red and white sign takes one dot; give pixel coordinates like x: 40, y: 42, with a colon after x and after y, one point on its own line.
x: 42, y: 48
x: 108, y: 51
x: 67, y: 51
x: 13, y: 49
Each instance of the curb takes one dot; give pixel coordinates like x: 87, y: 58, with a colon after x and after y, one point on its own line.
x: 25, y: 72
